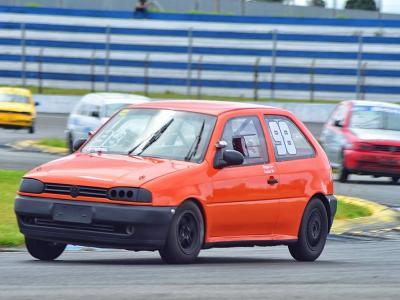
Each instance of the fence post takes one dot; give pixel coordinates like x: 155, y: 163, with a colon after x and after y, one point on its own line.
x: 40, y: 71
x: 359, y: 65
x: 217, y: 6
x: 256, y: 73
x: 243, y: 7
x: 107, y: 59
x: 362, y: 83
x: 273, y: 63
x: 146, y: 74
x: 93, y: 71
x: 189, y: 64
x: 23, y: 54
x: 312, y: 80
x: 199, y: 70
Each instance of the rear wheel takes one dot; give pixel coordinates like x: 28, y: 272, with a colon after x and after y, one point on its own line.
x: 313, y: 232
x: 395, y: 179
x: 185, y: 237
x: 70, y: 142
x: 31, y: 129
x: 44, y: 250
x: 343, y: 171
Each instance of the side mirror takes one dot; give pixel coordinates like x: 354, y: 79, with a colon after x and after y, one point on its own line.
x: 225, y: 158
x: 95, y: 114
x: 78, y: 144
x: 338, y: 123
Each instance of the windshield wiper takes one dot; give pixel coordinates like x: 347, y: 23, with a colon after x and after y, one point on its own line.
x: 195, y: 146
x: 153, y: 138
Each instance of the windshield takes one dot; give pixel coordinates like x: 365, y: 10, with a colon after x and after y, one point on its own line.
x: 110, y: 109
x: 157, y: 133
x: 13, y: 98
x: 375, y: 117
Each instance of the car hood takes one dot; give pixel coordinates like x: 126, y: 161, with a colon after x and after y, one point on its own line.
x: 15, y: 107
x: 376, y: 134
x: 105, y: 170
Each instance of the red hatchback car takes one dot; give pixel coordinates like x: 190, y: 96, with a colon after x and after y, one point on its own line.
x: 363, y: 137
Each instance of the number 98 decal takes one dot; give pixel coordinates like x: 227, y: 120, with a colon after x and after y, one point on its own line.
x: 282, y: 138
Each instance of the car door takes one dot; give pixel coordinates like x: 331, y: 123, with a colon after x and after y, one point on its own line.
x: 294, y: 155
x: 244, y: 206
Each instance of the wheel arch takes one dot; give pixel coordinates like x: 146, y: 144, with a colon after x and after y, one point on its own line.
x: 325, y: 201
x: 200, y: 205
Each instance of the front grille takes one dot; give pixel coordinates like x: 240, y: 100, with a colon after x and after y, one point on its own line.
x: 94, y: 227
x: 75, y: 190
x: 15, y: 112
x: 386, y: 148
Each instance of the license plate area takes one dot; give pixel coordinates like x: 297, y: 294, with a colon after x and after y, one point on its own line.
x: 72, y: 213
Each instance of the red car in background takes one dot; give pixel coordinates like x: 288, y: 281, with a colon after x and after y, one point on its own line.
x: 363, y: 137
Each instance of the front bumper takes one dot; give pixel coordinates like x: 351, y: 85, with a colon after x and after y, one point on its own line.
x: 110, y: 226
x: 372, y: 163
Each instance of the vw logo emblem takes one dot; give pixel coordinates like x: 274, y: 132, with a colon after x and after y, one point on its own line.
x: 74, y: 191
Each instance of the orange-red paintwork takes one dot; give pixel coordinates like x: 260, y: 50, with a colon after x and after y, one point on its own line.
x: 237, y: 202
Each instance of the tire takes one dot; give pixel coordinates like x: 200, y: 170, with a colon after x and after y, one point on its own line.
x: 70, y: 142
x: 31, y: 129
x: 185, y: 236
x: 395, y: 179
x: 312, y: 234
x: 343, y: 171
x: 44, y: 250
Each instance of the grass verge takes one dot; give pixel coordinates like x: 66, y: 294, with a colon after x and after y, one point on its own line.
x: 10, y: 235
x: 171, y: 95
x: 9, y: 183
x: 58, y: 143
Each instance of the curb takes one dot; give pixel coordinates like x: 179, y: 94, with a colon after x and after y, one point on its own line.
x: 383, y: 220
x: 33, y: 145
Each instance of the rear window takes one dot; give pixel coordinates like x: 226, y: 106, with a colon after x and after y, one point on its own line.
x: 288, y: 140
x: 13, y: 98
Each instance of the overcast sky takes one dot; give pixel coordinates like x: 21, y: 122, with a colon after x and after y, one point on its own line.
x: 388, y: 6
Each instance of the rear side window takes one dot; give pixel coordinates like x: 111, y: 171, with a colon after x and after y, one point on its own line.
x: 244, y: 134
x: 288, y: 141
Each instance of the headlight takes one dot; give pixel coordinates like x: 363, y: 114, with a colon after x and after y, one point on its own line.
x: 32, y: 186
x: 130, y: 194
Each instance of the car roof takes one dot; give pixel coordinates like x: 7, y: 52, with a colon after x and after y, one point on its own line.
x: 16, y: 91
x: 202, y: 106
x: 373, y: 103
x: 106, y: 96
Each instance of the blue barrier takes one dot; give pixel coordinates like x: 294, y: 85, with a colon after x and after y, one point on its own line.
x: 154, y: 64
x: 203, y: 17
x: 204, y: 50
x: 203, y: 83
x: 202, y: 33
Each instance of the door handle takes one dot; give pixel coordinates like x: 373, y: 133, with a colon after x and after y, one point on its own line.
x: 272, y: 180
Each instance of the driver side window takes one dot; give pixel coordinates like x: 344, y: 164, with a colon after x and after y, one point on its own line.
x: 244, y: 134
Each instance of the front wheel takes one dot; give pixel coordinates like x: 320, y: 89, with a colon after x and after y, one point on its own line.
x: 343, y: 171
x: 31, y: 129
x: 185, y: 236
x: 313, y: 232
x: 44, y: 250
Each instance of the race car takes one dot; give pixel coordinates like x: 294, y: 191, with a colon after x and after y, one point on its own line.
x: 17, y: 109
x: 363, y: 137
x: 181, y: 176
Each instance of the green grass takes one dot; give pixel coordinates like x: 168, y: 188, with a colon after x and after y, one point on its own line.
x: 172, y: 95
x: 346, y: 210
x: 9, y: 183
x: 59, y: 143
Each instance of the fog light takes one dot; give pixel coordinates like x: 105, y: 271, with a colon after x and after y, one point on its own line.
x: 130, y: 229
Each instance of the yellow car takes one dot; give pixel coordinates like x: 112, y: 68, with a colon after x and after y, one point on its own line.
x: 17, y: 109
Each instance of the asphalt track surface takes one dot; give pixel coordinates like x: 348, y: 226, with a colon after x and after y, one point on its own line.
x: 349, y: 268
x: 346, y: 270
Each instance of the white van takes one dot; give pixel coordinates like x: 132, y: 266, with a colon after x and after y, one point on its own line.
x: 93, y: 110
